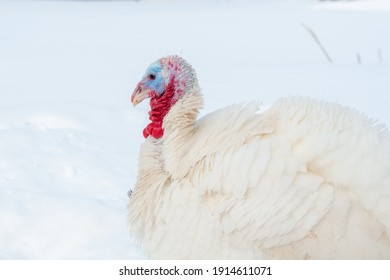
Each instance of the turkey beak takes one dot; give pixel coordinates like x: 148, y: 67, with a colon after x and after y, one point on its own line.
x: 140, y: 94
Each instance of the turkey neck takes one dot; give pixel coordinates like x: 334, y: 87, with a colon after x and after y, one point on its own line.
x: 160, y: 106
x: 179, y: 126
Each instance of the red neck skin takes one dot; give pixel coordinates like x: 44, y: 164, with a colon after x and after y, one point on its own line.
x: 159, y: 106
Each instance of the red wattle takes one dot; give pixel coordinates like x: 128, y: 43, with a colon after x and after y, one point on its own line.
x: 159, y: 106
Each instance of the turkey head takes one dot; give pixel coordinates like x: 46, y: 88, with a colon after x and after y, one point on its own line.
x: 165, y: 82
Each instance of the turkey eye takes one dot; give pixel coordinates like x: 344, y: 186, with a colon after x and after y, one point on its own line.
x: 152, y: 77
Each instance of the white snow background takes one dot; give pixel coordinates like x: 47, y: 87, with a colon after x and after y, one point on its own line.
x: 69, y: 136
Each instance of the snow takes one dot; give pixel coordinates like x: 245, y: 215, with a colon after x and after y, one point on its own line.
x: 69, y: 137
x: 363, y: 5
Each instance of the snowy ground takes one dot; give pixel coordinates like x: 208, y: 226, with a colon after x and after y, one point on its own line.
x: 69, y: 137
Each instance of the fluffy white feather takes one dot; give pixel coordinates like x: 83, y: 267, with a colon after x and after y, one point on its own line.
x: 303, y: 180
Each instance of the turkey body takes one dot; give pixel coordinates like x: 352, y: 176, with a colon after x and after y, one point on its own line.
x: 303, y: 180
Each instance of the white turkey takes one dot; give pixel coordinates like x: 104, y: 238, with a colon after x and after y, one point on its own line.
x: 303, y: 180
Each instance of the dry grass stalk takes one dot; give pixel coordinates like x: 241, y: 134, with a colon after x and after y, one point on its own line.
x: 312, y: 33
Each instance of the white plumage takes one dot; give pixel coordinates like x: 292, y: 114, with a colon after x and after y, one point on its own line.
x: 303, y: 180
